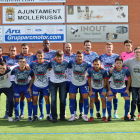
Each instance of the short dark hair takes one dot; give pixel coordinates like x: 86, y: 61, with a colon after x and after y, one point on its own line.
x: 59, y: 53
x: 79, y: 52
x: 46, y: 40
x: 118, y: 59
x: 2, y: 63
x: 86, y: 41
x: 24, y: 44
x: 11, y: 47
x: 1, y: 48
x: 137, y: 48
x: 40, y: 51
x: 96, y: 60
x: 21, y: 58
x: 128, y: 41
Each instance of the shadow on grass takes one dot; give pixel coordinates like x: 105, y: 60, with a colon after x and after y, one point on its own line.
x: 45, y: 123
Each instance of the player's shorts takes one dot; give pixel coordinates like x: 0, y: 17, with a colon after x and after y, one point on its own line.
x: 82, y: 89
x: 95, y: 91
x: 36, y: 90
x: 18, y: 89
x: 119, y: 91
x: 67, y: 86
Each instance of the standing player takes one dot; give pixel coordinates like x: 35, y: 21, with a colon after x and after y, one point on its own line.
x: 108, y: 59
x: 57, y: 80
x: 117, y: 85
x: 89, y: 56
x: 21, y: 85
x: 1, y: 58
x: 79, y: 70
x: 48, y: 55
x: 97, y: 79
x: 40, y: 84
x: 69, y: 55
x: 28, y: 56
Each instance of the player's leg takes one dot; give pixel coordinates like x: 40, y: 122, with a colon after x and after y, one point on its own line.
x: 92, y: 100
x: 109, y: 106
x: 115, y: 104
x: 138, y: 105
x: 41, y: 102
x: 135, y: 92
x: 97, y: 104
x: 7, y: 109
x: 62, y: 91
x: 46, y: 94
x: 53, y: 91
x: 22, y: 105
x: 81, y: 106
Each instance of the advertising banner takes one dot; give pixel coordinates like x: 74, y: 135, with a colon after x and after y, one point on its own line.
x: 94, y: 14
x: 97, y: 32
x: 30, y: 1
x: 33, y: 33
x: 33, y: 14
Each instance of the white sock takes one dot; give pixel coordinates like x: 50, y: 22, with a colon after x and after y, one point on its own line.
x: 115, y: 111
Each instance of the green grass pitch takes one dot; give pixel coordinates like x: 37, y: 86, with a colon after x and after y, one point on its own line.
x: 77, y: 130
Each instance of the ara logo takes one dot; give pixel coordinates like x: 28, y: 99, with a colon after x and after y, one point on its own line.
x: 12, y: 31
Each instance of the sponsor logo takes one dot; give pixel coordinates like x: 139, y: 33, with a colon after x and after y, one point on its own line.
x: 10, y: 14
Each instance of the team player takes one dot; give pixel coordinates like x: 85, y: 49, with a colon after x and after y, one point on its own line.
x: 97, y: 79
x: 40, y: 84
x: 69, y: 55
x: 21, y: 85
x: 79, y: 70
x: 1, y: 58
x: 48, y: 55
x: 89, y: 56
x: 28, y: 56
x: 117, y: 85
x: 58, y: 80
x: 6, y: 87
x: 108, y: 59
x: 11, y: 60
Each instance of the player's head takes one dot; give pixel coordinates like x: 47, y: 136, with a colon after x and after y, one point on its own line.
x: 79, y: 56
x: 46, y: 44
x: 40, y: 55
x: 109, y: 47
x: 118, y: 62
x: 97, y: 63
x: 2, y: 67
x: 137, y: 52
x: 68, y: 48
x: 22, y: 62
x: 24, y: 48
x: 1, y: 50
x: 87, y: 45
x: 128, y: 45
x: 12, y: 51
x: 59, y: 56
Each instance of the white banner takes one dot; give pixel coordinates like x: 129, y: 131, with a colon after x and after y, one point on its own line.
x: 33, y: 33
x: 30, y: 1
x: 94, y: 14
x: 33, y: 14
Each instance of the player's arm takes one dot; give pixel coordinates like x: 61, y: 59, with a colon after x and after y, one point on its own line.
x: 8, y: 54
x: 31, y: 83
x: 108, y: 87
x: 128, y: 83
x: 89, y: 83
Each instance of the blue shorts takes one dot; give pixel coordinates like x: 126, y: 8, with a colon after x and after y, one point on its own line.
x: 36, y: 90
x: 95, y: 91
x: 82, y: 89
x: 18, y: 89
x: 119, y: 91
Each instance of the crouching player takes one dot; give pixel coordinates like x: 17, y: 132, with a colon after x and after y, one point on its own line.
x: 40, y: 84
x: 117, y: 85
x: 21, y: 85
x: 97, y: 79
x: 79, y: 71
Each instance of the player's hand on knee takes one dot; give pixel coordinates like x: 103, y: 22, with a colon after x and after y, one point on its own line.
x: 104, y: 94
x: 30, y: 91
x: 90, y: 93
x: 127, y: 91
x: 109, y: 92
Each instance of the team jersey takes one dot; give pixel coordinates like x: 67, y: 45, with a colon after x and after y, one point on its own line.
x: 27, y: 58
x: 72, y: 56
x: 126, y: 56
x: 47, y: 55
x: 97, y: 77
x: 108, y: 60
x: 22, y: 77
x: 58, y: 71
x: 118, y: 78
x: 79, y: 72
x: 40, y: 72
x: 11, y: 62
x: 89, y: 57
